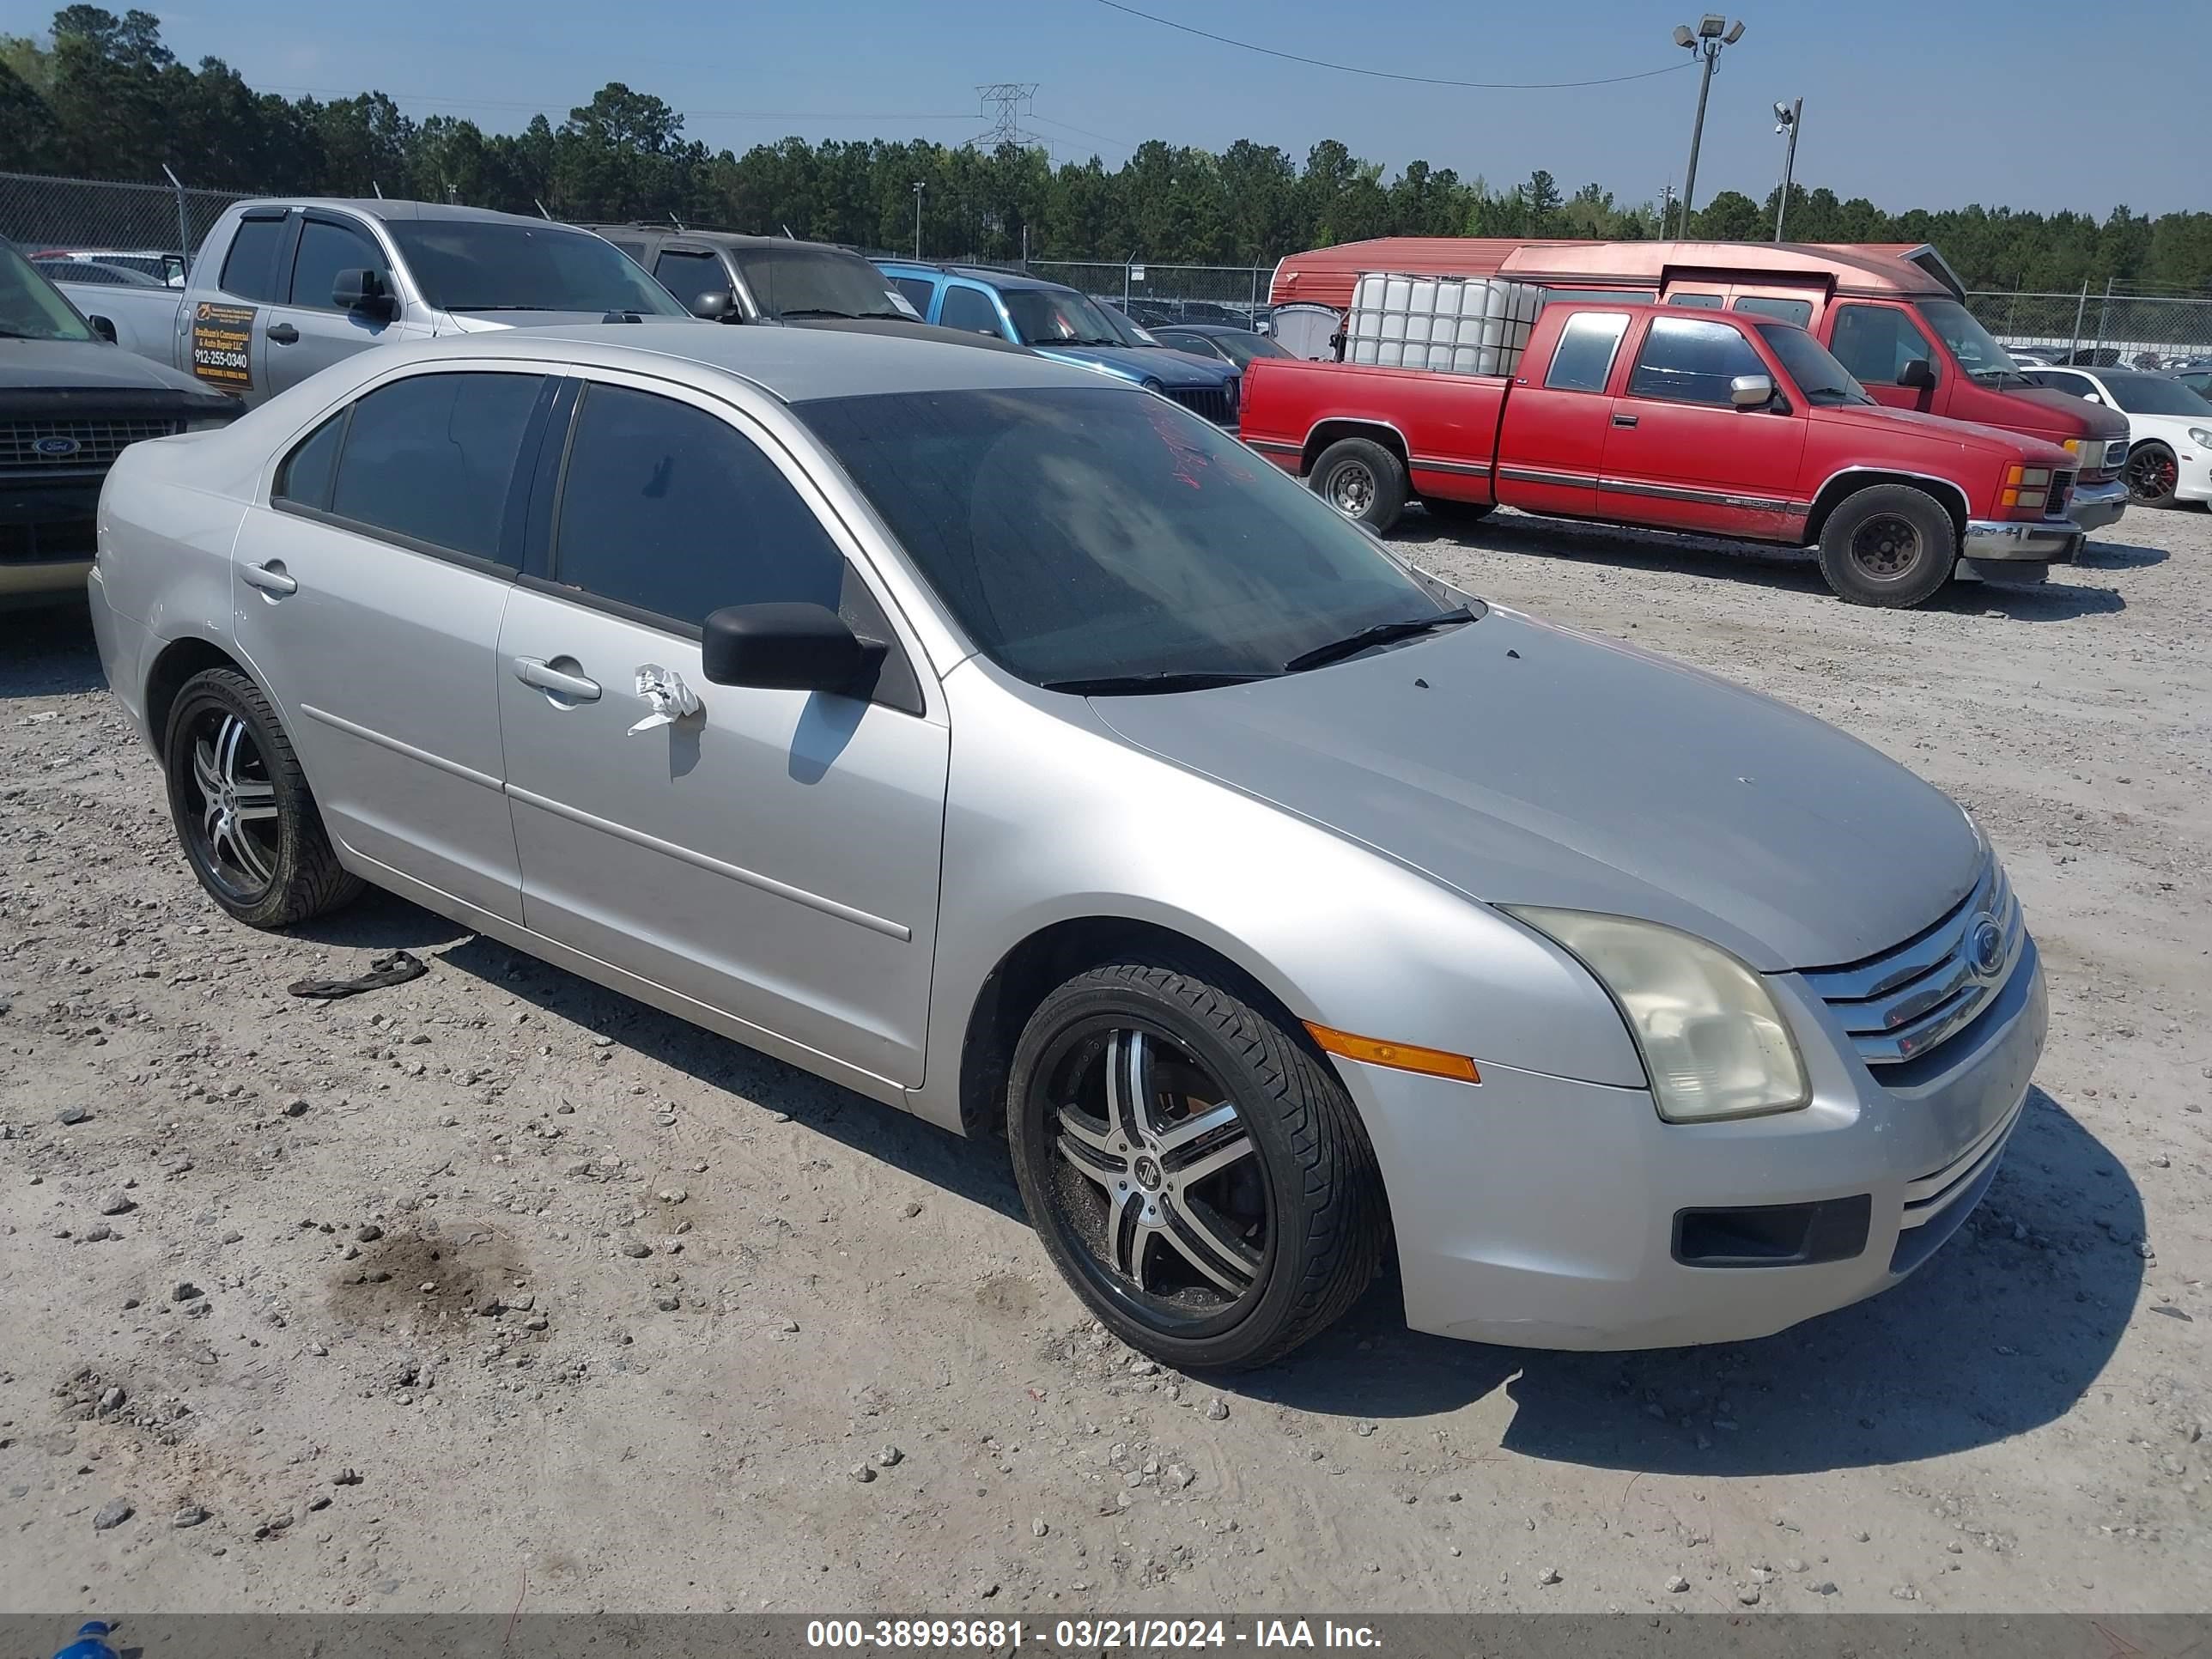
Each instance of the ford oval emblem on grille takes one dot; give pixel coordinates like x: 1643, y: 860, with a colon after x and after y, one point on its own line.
x: 55, y: 448
x: 1986, y: 946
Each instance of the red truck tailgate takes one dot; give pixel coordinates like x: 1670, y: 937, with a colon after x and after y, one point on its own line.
x: 1448, y: 423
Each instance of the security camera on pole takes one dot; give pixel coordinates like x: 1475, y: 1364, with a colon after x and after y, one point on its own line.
x: 1786, y: 119
x: 1713, y: 32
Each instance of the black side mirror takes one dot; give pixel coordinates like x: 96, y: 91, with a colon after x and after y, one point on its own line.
x: 1918, y: 374
x: 788, y: 647
x: 364, y: 291
x: 717, y: 306
x: 103, y: 327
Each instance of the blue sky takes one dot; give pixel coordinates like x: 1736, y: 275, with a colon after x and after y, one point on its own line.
x: 1934, y: 104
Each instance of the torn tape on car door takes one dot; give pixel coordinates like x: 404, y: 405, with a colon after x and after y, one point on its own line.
x: 666, y: 696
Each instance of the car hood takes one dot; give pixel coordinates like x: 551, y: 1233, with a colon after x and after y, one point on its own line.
x: 81, y: 366
x: 1523, y: 763
x: 1965, y: 434
x: 899, y: 328
x: 483, y: 322
x: 1143, y: 362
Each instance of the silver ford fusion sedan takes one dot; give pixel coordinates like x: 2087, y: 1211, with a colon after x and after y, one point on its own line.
x: 1015, y: 748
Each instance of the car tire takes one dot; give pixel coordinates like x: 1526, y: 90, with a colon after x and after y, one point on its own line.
x: 1446, y: 512
x: 2152, y: 475
x: 1226, y: 1207
x: 1362, y: 480
x: 244, y: 813
x: 1889, y: 545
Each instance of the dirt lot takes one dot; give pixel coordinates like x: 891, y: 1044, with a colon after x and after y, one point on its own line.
x: 497, y: 1290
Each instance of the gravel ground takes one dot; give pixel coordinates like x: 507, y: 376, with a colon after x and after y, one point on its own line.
x: 496, y: 1290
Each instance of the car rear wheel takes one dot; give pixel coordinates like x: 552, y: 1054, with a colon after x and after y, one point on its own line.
x: 1195, y: 1170
x: 1888, y: 544
x: 243, y: 810
x: 2152, y: 475
x: 1362, y: 480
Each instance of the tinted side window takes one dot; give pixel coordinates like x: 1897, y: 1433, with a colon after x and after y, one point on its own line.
x: 433, y: 458
x: 1692, y: 362
x: 1583, y: 361
x: 2074, y: 386
x: 249, y: 269
x: 687, y: 276
x: 971, y: 309
x: 1603, y: 295
x: 1799, y: 312
x: 305, y: 477
x: 325, y: 250
x: 672, y: 511
x: 1874, y: 342
x: 917, y: 292
x: 1696, y: 301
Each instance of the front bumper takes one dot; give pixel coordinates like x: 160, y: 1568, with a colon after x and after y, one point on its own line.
x: 2097, y: 506
x: 2194, y: 481
x: 47, y: 532
x: 1536, y: 1211
x: 2039, y: 540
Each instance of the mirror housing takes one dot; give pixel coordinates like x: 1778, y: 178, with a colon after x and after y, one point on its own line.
x: 1918, y: 374
x: 104, y: 327
x: 362, y: 290
x: 788, y: 647
x: 718, y: 305
x: 1751, y: 391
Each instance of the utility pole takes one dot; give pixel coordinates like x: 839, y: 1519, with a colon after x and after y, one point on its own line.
x: 919, y: 186
x: 1713, y: 32
x: 1787, y: 119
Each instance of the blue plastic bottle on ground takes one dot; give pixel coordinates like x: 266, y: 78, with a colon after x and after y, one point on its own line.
x: 91, y: 1644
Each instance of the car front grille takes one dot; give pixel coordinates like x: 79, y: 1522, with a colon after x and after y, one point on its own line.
x: 1902, y: 1004
x: 1217, y: 404
x: 33, y: 448
x: 60, y: 541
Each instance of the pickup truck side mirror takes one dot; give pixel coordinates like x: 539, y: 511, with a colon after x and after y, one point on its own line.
x: 363, y: 290
x: 1751, y: 391
x: 1918, y: 374
x: 788, y: 647
x: 717, y: 306
x: 104, y: 327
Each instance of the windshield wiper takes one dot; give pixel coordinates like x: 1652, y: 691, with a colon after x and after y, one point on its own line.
x: 819, y: 311
x: 1119, y: 685
x: 1380, y: 633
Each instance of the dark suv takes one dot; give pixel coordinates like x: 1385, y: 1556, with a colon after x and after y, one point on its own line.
x: 731, y: 278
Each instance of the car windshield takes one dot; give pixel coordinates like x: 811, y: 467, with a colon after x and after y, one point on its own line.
x: 1082, y: 534
x: 1977, y: 352
x: 815, y: 282
x: 2153, y: 394
x: 1131, y: 333
x: 495, y: 264
x: 1058, y: 316
x: 1242, y: 348
x: 31, y: 309
x: 1822, y: 380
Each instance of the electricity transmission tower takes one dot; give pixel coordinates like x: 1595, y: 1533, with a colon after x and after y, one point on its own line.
x: 1004, y: 103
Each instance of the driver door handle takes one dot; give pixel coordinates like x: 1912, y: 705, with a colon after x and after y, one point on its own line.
x: 282, y: 333
x: 1624, y: 420
x: 532, y: 671
x: 270, y: 578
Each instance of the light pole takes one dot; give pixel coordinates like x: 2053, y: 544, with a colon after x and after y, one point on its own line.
x: 1713, y: 32
x: 918, y: 188
x: 1785, y: 120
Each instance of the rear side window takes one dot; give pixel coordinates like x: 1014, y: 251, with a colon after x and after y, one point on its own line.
x: 432, y: 458
x: 326, y: 249
x: 305, y: 478
x: 1692, y: 362
x: 687, y: 276
x: 249, y: 269
x: 1696, y: 301
x: 1583, y: 361
x: 970, y: 309
x: 1799, y: 312
x: 917, y: 292
x: 669, y: 510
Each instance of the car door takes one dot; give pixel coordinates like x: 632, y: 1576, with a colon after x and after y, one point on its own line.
x: 366, y: 597
x: 220, y: 337
x: 309, y: 331
x: 1875, y: 342
x: 1678, y: 452
x: 775, y: 855
x: 1551, y: 445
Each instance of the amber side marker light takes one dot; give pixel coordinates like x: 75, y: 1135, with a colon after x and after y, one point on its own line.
x: 1399, y: 1056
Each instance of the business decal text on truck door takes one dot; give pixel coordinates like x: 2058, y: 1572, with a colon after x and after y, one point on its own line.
x: 221, y: 338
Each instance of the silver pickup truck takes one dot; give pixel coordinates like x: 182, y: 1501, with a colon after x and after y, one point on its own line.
x: 283, y: 288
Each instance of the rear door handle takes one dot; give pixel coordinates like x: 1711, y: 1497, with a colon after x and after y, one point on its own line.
x: 270, y: 578
x: 282, y: 333
x: 1624, y: 420
x: 546, y: 678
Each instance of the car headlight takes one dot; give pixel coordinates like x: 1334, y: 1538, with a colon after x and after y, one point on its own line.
x: 1713, y: 1041
x: 2201, y: 434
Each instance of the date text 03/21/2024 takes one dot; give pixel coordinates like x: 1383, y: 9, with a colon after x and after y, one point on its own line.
x: 1085, y: 1635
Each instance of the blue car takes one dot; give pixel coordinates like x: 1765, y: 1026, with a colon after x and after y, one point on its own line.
x: 1059, y: 322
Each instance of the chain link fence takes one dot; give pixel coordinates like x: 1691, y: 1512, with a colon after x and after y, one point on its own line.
x: 154, y: 229
x: 2132, y: 330
x: 1154, y: 293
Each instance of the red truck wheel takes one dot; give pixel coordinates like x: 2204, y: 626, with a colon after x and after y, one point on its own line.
x: 1362, y: 480
x: 1889, y: 545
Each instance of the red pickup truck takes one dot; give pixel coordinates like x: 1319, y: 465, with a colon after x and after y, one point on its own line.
x: 1716, y: 424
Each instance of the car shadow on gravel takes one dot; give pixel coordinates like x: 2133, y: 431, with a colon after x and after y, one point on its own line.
x: 2119, y: 555
x: 46, y: 650
x: 2010, y: 1322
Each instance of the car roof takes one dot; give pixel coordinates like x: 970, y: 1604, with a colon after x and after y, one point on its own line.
x: 379, y: 207
x: 794, y: 365
x: 1002, y: 279
x: 722, y: 238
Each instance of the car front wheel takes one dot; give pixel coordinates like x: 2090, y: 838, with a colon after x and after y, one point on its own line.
x: 1194, y: 1169
x: 2152, y: 475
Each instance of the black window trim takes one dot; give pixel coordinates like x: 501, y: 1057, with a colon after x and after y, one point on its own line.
x: 542, y: 558
x: 289, y: 259
x: 1628, y: 387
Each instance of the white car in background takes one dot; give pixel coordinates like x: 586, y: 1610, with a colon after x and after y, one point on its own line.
x: 2169, y: 429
